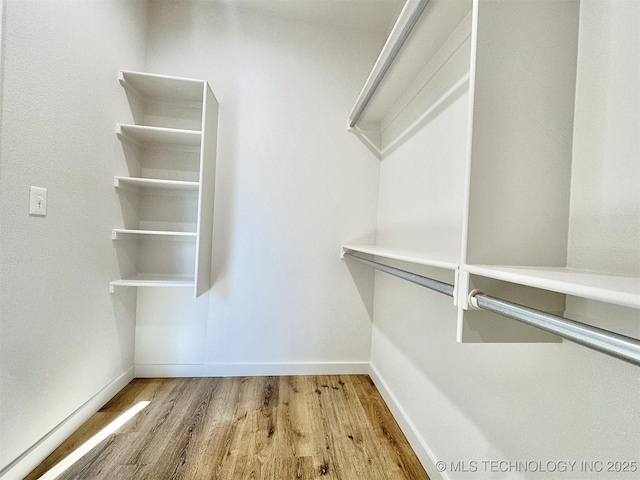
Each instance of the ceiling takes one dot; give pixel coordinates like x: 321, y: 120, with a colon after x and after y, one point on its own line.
x: 375, y: 16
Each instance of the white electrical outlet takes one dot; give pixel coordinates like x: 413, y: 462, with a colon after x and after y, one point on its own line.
x: 37, y: 201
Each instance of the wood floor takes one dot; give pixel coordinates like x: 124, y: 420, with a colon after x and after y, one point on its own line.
x: 279, y: 428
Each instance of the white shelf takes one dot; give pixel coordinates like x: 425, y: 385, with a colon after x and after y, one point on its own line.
x: 146, y: 134
x: 124, y: 233
x: 151, y: 86
x: 437, y: 22
x: 149, y: 280
x: 134, y: 184
x: 439, y: 260
x: 614, y: 289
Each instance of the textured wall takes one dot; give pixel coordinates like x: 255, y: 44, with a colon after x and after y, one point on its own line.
x: 63, y: 337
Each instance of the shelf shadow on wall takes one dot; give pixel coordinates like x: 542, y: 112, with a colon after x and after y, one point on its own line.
x: 415, y: 122
x: 229, y: 126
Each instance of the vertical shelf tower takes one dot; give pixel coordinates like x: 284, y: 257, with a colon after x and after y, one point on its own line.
x: 167, y: 198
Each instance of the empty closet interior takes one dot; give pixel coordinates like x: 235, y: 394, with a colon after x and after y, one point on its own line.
x: 243, y: 188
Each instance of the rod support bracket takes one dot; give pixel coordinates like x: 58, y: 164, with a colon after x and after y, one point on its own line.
x: 471, y: 299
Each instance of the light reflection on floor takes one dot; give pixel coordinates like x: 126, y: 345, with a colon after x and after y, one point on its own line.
x: 87, y: 446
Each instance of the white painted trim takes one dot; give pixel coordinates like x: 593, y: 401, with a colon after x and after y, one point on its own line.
x: 250, y: 369
x: 34, y: 455
x: 420, y: 447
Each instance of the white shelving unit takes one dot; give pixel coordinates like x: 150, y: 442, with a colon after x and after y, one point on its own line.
x: 538, y: 222
x: 167, y: 197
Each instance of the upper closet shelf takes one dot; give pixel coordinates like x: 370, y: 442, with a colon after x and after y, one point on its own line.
x: 145, y: 134
x: 125, y: 233
x: 416, y: 38
x: 135, y: 183
x: 153, y: 87
x: 614, y: 289
x: 438, y: 260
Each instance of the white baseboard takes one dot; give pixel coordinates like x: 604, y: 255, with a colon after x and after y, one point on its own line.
x: 420, y: 447
x: 249, y: 369
x: 32, y: 457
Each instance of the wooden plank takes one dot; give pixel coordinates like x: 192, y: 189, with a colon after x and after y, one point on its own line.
x: 399, y: 456
x: 214, y: 448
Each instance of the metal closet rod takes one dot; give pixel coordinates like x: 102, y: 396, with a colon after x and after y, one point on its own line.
x: 406, y: 21
x: 614, y: 344
x: 430, y: 283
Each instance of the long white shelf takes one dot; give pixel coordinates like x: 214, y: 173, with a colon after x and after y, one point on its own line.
x: 400, y: 61
x: 146, y: 134
x: 124, y: 233
x: 614, y: 289
x: 135, y: 183
x: 153, y: 280
x: 432, y: 259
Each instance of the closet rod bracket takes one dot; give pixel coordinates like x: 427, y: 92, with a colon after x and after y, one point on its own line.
x: 473, y: 301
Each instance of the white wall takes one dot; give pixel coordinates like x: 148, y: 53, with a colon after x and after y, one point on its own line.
x: 64, y: 339
x: 605, y: 200
x: 292, y: 186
